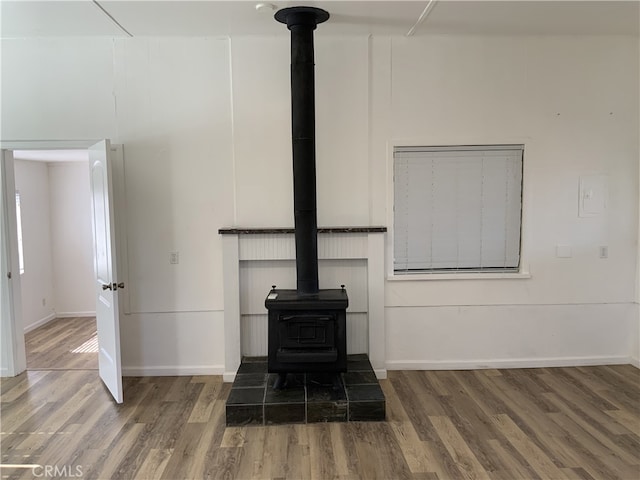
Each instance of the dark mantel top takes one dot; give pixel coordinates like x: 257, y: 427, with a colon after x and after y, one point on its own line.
x: 270, y: 230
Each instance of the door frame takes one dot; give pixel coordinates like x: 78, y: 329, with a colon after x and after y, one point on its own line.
x: 19, y: 364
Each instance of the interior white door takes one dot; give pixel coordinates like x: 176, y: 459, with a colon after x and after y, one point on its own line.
x: 12, y: 351
x: 106, y: 272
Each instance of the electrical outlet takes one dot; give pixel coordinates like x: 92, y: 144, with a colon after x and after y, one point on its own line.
x: 174, y: 258
x: 604, y: 251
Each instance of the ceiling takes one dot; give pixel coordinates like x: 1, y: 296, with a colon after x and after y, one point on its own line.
x: 120, y: 18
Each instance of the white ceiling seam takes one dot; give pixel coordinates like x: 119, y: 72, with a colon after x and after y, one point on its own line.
x: 423, y: 16
x: 111, y: 17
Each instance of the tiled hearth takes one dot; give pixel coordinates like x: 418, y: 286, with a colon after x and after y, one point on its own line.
x: 310, y: 397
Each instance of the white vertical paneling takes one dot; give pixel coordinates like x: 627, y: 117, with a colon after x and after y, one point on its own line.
x: 376, y: 316
x: 350, y: 273
x: 253, y: 332
x: 267, y: 247
x: 357, y: 333
x: 281, y: 246
x: 342, y: 245
x: 269, y: 259
x: 256, y: 279
x: 232, y: 335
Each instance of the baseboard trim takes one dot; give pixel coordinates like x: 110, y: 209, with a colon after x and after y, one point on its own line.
x: 172, y: 371
x: 635, y: 362
x: 228, y: 377
x: 39, y: 323
x: 381, y: 373
x: 511, y: 363
x: 75, y: 314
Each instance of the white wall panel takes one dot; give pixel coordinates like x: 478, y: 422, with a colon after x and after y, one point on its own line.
x: 448, y: 90
x: 174, y: 119
x: 57, y: 89
x: 190, y: 343
x: 71, y: 237
x: 262, y: 130
x: 357, y: 333
x: 350, y: 273
x: 254, y: 331
x: 507, y: 336
x: 256, y: 279
x: 38, y: 291
x: 634, y: 337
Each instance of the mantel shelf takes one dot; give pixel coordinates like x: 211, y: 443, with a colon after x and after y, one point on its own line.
x: 285, y: 230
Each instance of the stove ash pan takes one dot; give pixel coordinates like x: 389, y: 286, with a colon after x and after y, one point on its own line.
x: 307, y: 333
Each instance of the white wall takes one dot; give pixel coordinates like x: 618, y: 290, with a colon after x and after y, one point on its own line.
x: 262, y: 131
x: 32, y: 181
x: 206, y: 132
x: 573, y: 102
x: 71, y: 238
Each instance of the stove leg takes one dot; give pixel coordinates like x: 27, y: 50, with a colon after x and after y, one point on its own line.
x: 281, y: 381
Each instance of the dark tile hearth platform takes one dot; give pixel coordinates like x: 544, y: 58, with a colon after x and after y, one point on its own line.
x: 309, y: 398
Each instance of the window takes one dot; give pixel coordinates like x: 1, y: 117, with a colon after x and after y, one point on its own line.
x: 457, y: 208
x: 19, y: 224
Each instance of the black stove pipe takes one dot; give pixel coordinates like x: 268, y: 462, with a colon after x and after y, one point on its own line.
x: 302, y: 21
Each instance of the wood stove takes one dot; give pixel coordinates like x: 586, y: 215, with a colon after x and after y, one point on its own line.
x: 307, y: 333
x: 307, y: 326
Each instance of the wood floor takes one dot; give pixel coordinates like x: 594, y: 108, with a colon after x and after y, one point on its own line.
x: 564, y: 423
x: 63, y: 344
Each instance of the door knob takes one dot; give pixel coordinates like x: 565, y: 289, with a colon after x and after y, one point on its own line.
x: 120, y: 285
x: 106, y: 286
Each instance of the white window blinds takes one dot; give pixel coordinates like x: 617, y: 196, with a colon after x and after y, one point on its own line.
x: 457, y: 208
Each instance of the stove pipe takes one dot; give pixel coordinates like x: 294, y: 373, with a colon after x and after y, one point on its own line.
x: 302, y: 21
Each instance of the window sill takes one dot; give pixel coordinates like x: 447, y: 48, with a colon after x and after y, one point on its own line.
x: 457, y: 276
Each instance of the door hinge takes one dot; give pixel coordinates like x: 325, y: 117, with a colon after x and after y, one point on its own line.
x: 9, y: 275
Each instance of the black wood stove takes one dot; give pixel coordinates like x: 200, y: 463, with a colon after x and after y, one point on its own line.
x: 307, y: 326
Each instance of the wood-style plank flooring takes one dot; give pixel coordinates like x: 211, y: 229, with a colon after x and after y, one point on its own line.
x: 63, y: 344
x: 561, y: 423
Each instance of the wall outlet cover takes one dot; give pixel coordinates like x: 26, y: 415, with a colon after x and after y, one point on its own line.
x: 563, y: 251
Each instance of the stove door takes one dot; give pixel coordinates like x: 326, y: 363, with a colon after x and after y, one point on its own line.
x: 307, y: 337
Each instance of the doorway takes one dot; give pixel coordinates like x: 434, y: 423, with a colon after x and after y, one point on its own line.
x: 106, y: 181
x: 56, y: 258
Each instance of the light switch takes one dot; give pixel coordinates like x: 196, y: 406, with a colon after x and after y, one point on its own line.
x: 563, y: 251
x: 174, y: 258
x: 604, y: 251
